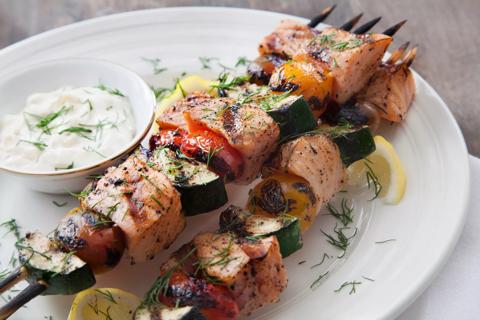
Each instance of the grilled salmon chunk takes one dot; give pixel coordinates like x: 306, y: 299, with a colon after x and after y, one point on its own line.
x: 225, y: 276
x: 172, y: 117
x: 352, y: 59
x: 315, y: 158
x: 391, y: 91
x: 142, y: 202
x: 288, y: 39
x: 247, y: 128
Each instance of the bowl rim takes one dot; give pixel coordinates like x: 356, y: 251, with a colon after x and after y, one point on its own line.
x: 141, y: 133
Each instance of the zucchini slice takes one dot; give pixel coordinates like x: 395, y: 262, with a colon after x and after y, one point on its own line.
x: 165, y: 313
x: 293, y: 115
x: 64, y: 273
x: 201, y: 189
x: 354, y: 144
x: 286, y: 228
x: 291, y: 112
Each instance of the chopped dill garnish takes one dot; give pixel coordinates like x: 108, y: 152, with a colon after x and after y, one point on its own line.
x: 385, y: 241
x: 155, y: 62
x: 351, y: 284
x: 161, y: 93
x: 212, y: 153
x: 20, y: 246
x: 161, y: 284
x: 242, y: 61
x: 113, y: 91
x: 227, y: 82
x: 4, y: 273
x: 316, y: 283
x: 37, y: 144
x: 44, y: 122
x: 70, y: 166
x: 81, y: 195
x: 269, y: 101
x: 63, y: 204
x: 344, y: 215
x: 302, y: 262
x: 91, y: 149
x: 325, y: 256
x: 341, y: 241
x: 369, y: 279
x: 76, y: 130
x: 12, y: 227
x: 205, y: 61
x: 221, y: 258
x: 178, y: 85
x: 107, y: 294
x: 372, y: 180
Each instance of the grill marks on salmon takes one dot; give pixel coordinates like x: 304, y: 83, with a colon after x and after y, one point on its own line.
x: 142, y: 202
x: 246, y: 127
x: 391, y: 90
x: 315, y: 158
x: 288, y: 39
x: 251, y: 271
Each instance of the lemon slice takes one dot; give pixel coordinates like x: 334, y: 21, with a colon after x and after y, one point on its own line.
x: 184, y: 87
x: 383, y: 170
x: 103, y: 303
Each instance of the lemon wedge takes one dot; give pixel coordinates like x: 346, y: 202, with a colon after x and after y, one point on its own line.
x: 103, y: 303
x: 382, y: 170
x: 184, y: 87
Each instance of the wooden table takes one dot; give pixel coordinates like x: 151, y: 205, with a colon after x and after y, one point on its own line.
x: 446, y: 32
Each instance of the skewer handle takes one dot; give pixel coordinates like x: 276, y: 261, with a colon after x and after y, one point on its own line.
x: 12, y: 279
x: 22, y: 298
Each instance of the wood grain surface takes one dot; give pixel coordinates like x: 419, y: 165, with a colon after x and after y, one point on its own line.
x: 445, y: 30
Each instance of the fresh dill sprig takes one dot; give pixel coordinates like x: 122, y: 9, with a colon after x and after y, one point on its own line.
x: 37, y: 144
x: 70, y: 166
x: 269, y: 100
x: 344, y: 214
x: 341, y: 241
x: 205, y: 61
x: 155, y: 62
x: 242, y: 61
x: 221, y: 258
x: 21, y: 246
x: 78, y: 130
x: 212, y: 153
x: 113, y: 91
x: 226, y: 82
x: 4, y: 273
x: 63, y: 204
x: 372, y: 180
x: 161, y: 284
x: 44, y: 122
x: 12, y: 227
x: 316, y: 283
x: 325, y: 256
x: 107, y: 294
x: 369, y: 279
x: 161, y: 93
x: 385, y: 241
x: 352, y: 284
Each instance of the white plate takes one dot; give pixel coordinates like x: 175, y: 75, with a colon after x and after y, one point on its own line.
x: 426, y: 225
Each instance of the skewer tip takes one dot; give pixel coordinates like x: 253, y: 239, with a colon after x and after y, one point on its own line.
x: 322, y: 16
x: 351, y: 23
x: 393, y: 29
x: 367, y: 26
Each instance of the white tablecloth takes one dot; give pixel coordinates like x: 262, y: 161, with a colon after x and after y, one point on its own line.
x: 455, y: 293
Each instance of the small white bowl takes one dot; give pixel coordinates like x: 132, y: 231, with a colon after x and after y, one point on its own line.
x: 49, y: 76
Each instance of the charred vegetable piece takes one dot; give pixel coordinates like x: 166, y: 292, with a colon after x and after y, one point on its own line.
x: 201, y: 189
x: 285, y: 228
x: 353, y: 113
x: 284, y: 194
x: 261, y: 69
x: 306, y: 77
x: 93, y: 238
x: 64, y: 273
x: 354, y: 144
x: 159, y: 312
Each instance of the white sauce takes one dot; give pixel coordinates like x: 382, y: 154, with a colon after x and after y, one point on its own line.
x: 68, y: 127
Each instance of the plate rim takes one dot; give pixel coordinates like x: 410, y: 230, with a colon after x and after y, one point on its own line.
x: 432, y: 269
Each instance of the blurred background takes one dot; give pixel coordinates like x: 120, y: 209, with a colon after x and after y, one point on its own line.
x: 445, y: 30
